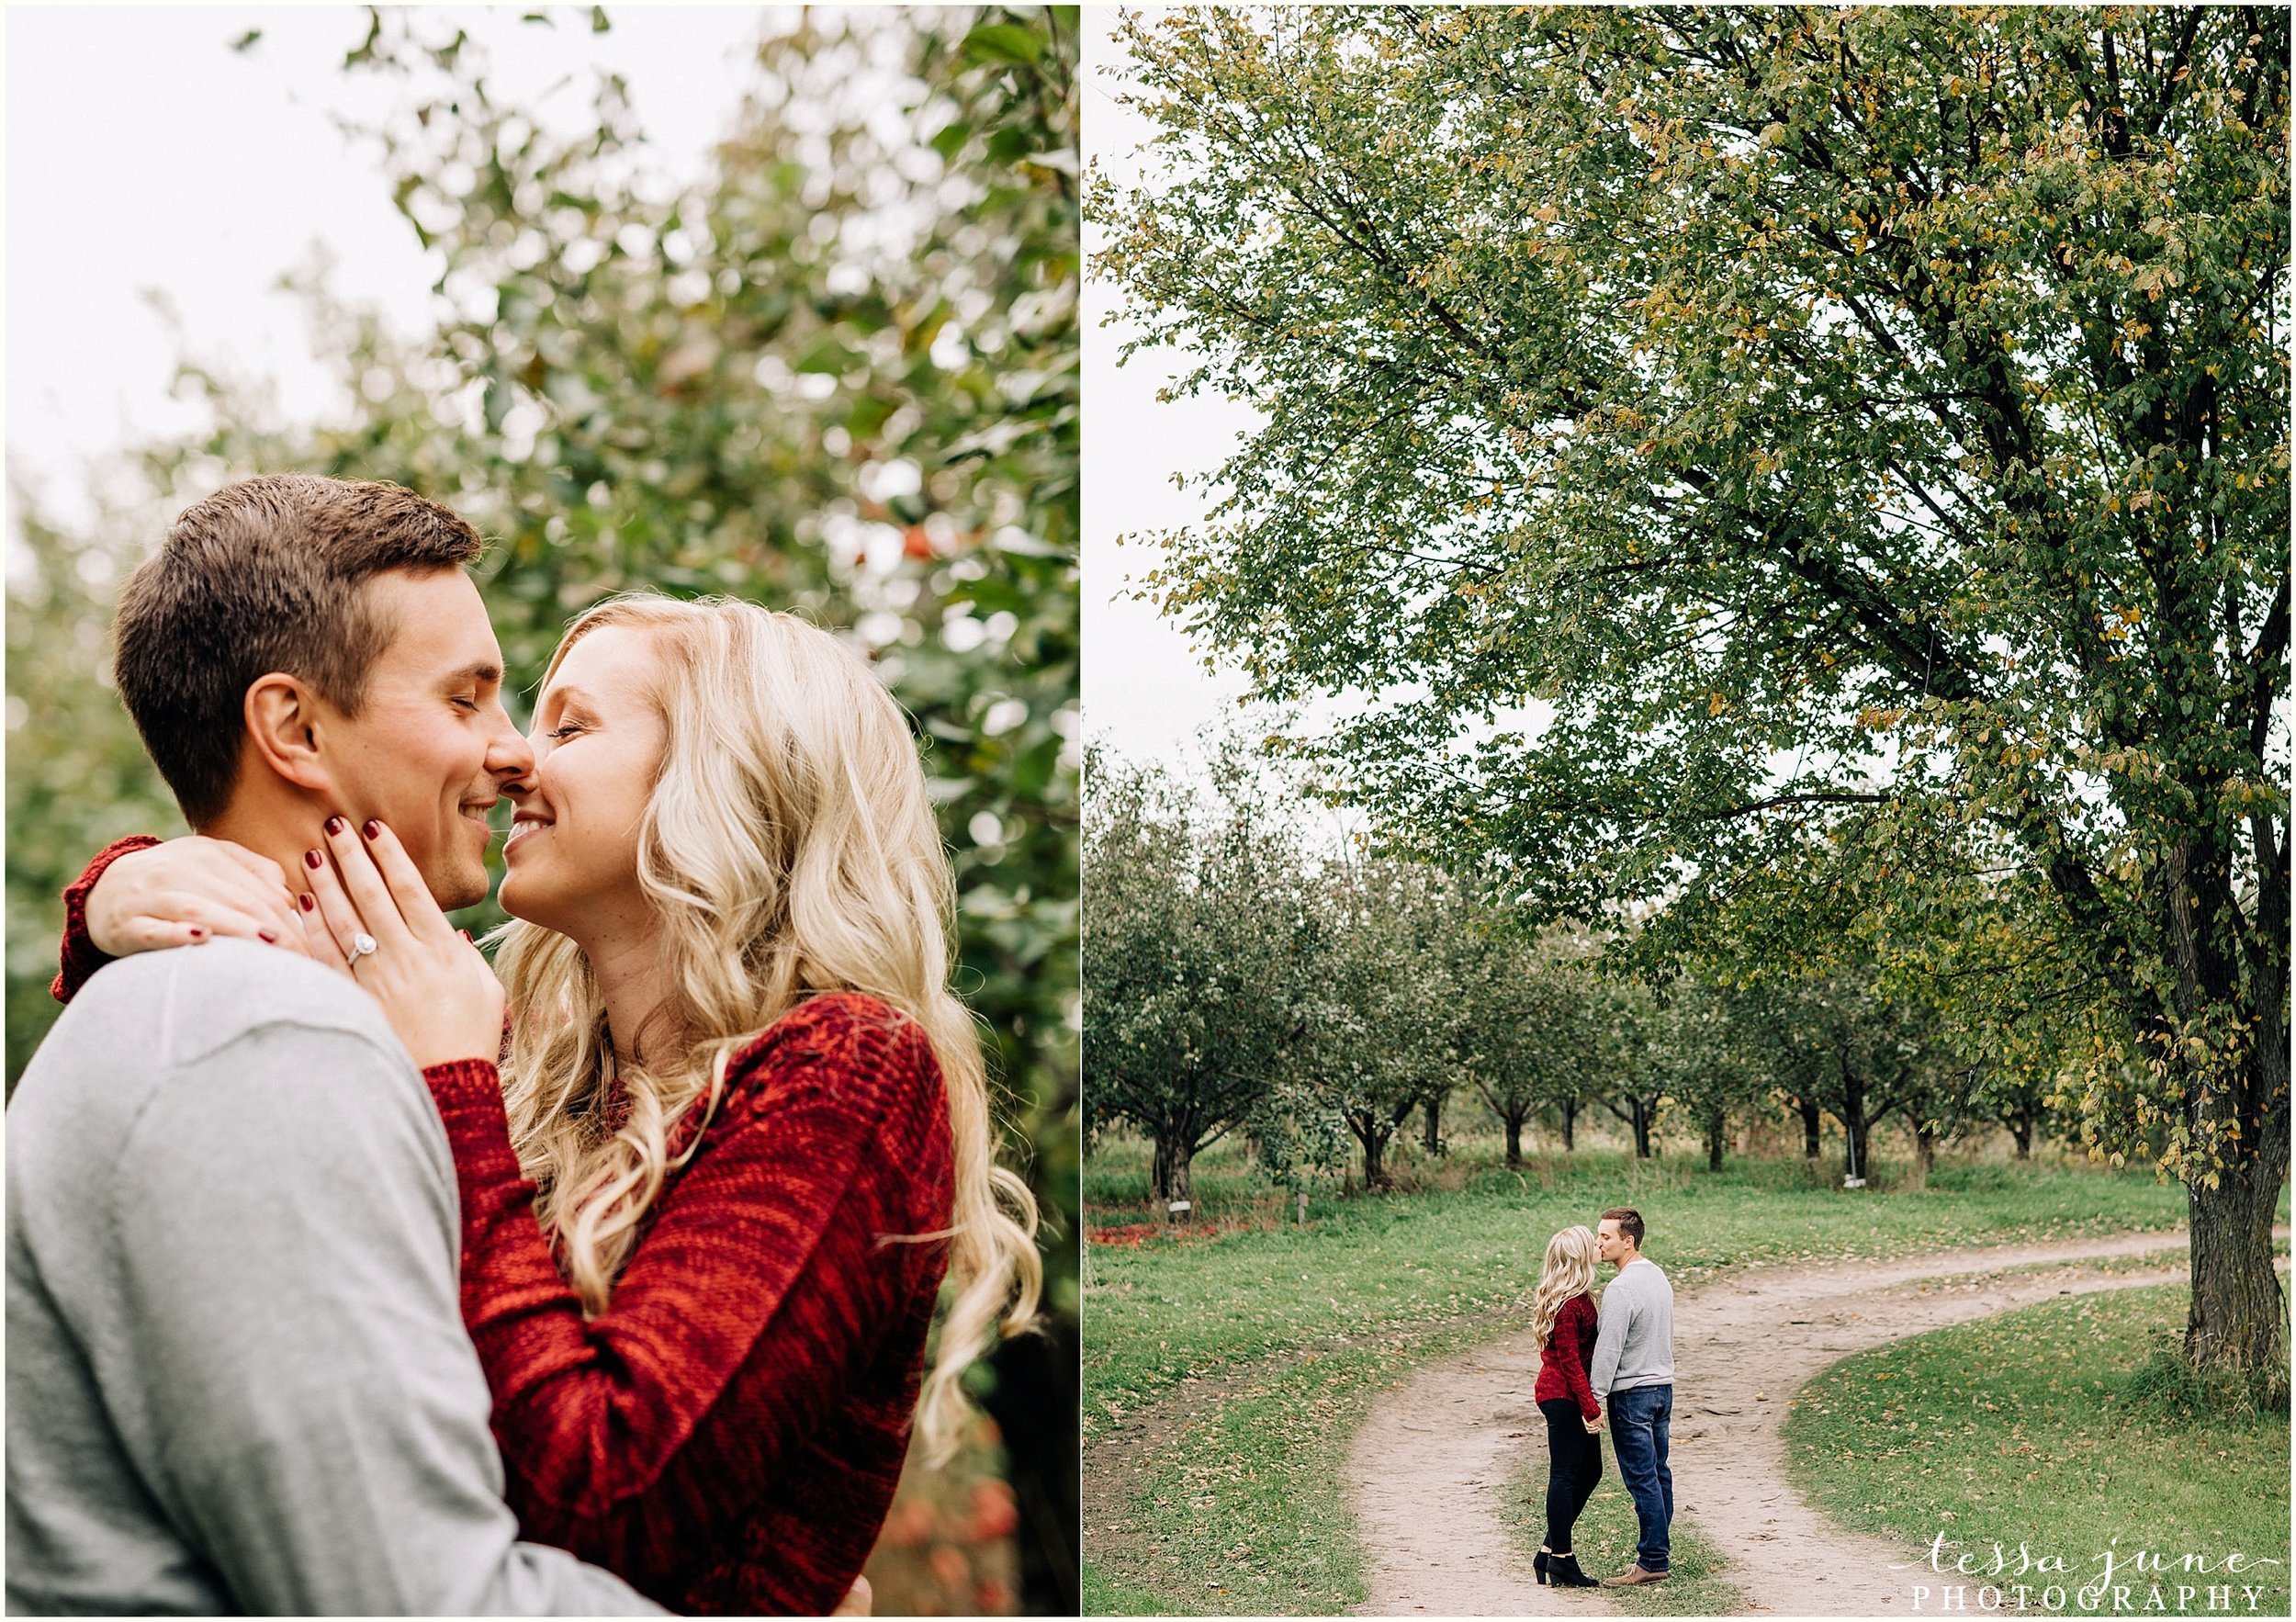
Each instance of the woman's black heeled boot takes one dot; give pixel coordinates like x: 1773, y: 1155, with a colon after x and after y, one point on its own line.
x: 1538, y: 1566
x: 1562, y: 1571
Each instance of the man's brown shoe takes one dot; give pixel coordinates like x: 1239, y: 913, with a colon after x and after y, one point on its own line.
x: 1633, y: 1575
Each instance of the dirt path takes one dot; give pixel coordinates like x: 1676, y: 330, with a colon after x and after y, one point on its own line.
x: 1428, y: 1471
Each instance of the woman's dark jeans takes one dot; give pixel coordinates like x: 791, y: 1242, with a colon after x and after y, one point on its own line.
x: 1574, y: 1463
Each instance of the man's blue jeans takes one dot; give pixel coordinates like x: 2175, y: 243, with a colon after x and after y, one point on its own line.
x: 1638, y: 1417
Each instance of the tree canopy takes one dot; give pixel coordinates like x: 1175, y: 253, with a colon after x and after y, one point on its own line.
x: 1763, y: 461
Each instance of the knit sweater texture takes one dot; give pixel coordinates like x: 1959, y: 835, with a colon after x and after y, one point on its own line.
x: 1569, y: 1356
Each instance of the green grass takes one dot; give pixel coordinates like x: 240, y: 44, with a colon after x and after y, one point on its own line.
x: 2025, y: 1430
x: 1605, y: 1539
x: 1234, y: 1526
x: 1104, y: 1596
x: 1255, y: 1348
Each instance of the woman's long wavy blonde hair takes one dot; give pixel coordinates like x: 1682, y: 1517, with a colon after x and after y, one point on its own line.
x: 1570, y: 1270
x: 791, y: 851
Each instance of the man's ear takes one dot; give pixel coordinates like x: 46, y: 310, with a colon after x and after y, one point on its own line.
x: 285, y: 724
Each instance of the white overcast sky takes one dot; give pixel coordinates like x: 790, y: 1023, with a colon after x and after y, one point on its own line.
x: 1146, y: 691
x: 143, y: 154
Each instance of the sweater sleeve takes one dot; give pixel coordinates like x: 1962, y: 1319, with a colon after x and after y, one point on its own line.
x: 764, y: 1258
x: 1610, y: 1339
x: 1578, y: 1352
x: 80, y: 956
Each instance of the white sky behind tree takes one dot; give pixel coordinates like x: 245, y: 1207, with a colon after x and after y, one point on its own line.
x: 1146, y: 694
x: 146, y: 156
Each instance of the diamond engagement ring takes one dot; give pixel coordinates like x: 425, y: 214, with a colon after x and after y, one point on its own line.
x: 361, y: 945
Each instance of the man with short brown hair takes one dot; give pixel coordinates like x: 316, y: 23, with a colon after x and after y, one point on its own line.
x: 238, y: 1378
x: 282, y: 605
x: 1633, y: 1378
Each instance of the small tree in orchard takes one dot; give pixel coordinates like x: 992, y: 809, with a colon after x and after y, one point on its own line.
x: 1298, y: 1138
x: 1875, y: 1056
x: 1782, y: 1059
x: 1193, y: 949
x: 1634, y: 1066
x: 1381, y: 1008
x: 1528, y: 1032
x: 2020, y: 1104
x: 1738, y: 444
x: 1706, y: 1062
x: 1937, y: 1107
x: 1565, y: 1113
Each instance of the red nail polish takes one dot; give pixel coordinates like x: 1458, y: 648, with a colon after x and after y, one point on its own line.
x: 269, y: 937
x: 198, y: 933
x: 335, y: 826
x: 306, y: 901
x: 312, y: 859
x: 370, y: 827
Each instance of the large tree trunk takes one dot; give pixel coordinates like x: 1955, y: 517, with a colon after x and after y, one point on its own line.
x: 2236, y: 1300
x: 1813, y: 1119
x: 2235, y: 1317
x: 1924, y: 1151
x: 2241, y: 1110
x: 1642, y: 1129
x: 1433, y: 1138
x: 1515, y: 1141
x: 1718, y: 1130
x: 2020, y: 1125
x: 1570, y: 1125
x: 1170, y: 1178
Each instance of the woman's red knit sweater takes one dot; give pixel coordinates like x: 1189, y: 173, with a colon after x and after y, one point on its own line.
x: 728, y: 1435
x: 1569, y: 1358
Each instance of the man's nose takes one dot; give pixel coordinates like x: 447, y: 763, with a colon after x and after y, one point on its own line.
x: 508, y: 755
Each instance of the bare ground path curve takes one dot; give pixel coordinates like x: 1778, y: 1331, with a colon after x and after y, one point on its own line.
x: 1428, y: 1471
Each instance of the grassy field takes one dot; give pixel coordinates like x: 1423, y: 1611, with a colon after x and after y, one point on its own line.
x: 1228, y: 1365
x: 2023, y: 1431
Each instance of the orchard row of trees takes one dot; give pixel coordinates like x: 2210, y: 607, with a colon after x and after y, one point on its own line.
x: 1237, y: 980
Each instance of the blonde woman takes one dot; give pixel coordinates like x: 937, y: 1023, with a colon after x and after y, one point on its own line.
x: 1563, y: 1324
x: 740, y: 1126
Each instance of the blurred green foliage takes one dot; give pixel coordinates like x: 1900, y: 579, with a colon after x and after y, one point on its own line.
x: 837, y: 373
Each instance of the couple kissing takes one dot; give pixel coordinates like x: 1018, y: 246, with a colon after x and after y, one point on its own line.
x: 345, y: 1277
x: 1617, y: 1363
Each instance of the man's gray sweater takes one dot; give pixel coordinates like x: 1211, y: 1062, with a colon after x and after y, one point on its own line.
x: 238, y: 1380
x: 1634, y: 1331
